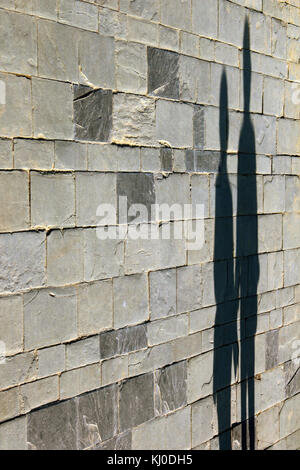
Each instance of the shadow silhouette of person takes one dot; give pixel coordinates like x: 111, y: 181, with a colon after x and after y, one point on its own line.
x: 247, y: 263
x: 224, y: 358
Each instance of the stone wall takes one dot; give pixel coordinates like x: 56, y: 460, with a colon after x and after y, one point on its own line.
x: 147, y: 344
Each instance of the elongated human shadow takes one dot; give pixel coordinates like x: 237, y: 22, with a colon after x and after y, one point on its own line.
x: 226, y: 314
x: 247, y: 270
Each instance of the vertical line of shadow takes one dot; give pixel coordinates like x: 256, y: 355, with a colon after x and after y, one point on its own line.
x: 223, y: 280
x: 239, y: 278
x: 247, y: 269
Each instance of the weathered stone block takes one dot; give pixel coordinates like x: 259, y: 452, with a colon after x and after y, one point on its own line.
x: 102, y: 258
x: 39, y: 393
x: 16, y: 114
x: 13, y: 434
x: 97, y: 416
x: 70, y: 155
x: 138, y: 127
x: 162, y: 293
x: 148, y: 10
x: 203, y: 421
x: 83, y: 15
x: 159, y: 434
x: 136, y: 401
x: 51, y: 360
x: 14, y: 212
x: 64, y: 257
x: 205, y: 17
x: 114, y: 343
x: 291, y: 227
x: 166, y: 159
x: 57, y: 51
x: 95, y: 307
x: 93, y: 190
x: 163, y: 73
x: 162, y: 331
x: 19, y: 45
x: 189, y: 288
x: 82, y: 352
x: 33, y: 154
x: 231, y: 23
x: 130, y: 300
x: 78, y: 381
x: 139, y: 189
x: 170, y: 388
x: 273, y: 96
x: 18, y: 369
x: 131, y: 67
x: 52, y: 109
x: 11, y: 319
x: 92, y: 114
x: 142, y: 31
x: 114, y: 370
x: 52, y: 199
x: 9, y: 404
x: 179, y: 132
x: 50, y: 317
x: 22, y: 261
x: 53, y: 427
x: 6, y: 154
x: 176, y: 13
x: 174, y: 191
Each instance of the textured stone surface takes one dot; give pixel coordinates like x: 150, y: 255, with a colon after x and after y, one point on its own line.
x: 50, y: 317
x: 53, y: 428
x: 163, y: 73
x: 95, y: 307
x: 170, y: 388
x: 177, y: 133
x: 92, y: 114
x: 162, y: 293
x: 139, y: 189
x: 22, y: 261
x: 130, y: 300
x: 136, y: 127
x: 33, y: 154
x: 97, y: 416
x: 136, y: 401
x: 114, y: 343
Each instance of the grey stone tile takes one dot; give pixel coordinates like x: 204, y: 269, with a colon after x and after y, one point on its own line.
x: 53, y: 428
x: 92, y: 113
x: 113, y: 343
x: 97, y: 418
x: 166, y: 159
x: 163, y: 78
x: 292, y: 378
x: 136, y: 401
x: 138, y: 188
x: 272, y: 344
x: 170, y: 388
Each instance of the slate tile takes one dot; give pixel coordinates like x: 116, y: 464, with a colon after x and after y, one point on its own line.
x: 163, y: 73
x: 92, y: 113
x: 136, y: 401
x: 113, y: 343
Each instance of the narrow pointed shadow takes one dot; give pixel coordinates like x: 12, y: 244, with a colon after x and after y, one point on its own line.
x: 247, y: 267
x: 225, y: 320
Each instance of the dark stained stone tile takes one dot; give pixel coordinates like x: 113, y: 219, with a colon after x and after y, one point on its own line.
x: 53, y: 427
x: 92, y: 113
x: 97, y: 417
x: 166, y: 159
x: 190, y: 160
x: 136, y: 401
x: 170, y: 388
x: 113, y: 343
x: 272, y: 345
x: 139, y: 189
x: 163, y: 73
x: 120, y: 442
